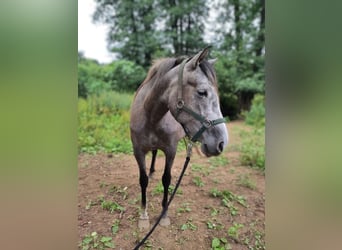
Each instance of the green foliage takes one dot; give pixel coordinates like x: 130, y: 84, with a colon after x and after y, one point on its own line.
x: 124, y: 75
x: 220, y: 244
x: 189, y: 225
x: 111, y: 206
x: 198, y: 181
x: 256, y: 115
x: 253, y: 148
x: 90, y: 78
x: 103, y: 123
x: 233, y: 231
x: 96, y: 79
x: 95, y: 241
x: 228, y: 199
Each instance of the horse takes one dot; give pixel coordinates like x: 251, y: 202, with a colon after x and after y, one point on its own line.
x: 178, y: 98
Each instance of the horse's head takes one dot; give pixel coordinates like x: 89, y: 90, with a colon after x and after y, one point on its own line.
x: 194, y: 102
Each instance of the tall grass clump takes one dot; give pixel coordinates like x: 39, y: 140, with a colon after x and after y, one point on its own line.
x: 253, y: 141
x: 256, y: 115
x: 103, y: 123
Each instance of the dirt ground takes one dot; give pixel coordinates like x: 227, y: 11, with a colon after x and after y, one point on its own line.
x: 197, y: 217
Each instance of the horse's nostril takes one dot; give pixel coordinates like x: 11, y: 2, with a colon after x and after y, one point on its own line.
x: 220, y: 147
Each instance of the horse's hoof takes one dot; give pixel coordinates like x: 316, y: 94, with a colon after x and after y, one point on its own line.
x: 164, y: 222
x: 144, y: 224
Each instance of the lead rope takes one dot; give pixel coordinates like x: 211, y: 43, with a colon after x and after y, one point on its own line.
x: 187, y: 160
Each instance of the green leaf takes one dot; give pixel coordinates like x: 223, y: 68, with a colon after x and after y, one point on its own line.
x: 215, y: 243
x: 105, y: 239
x: 184, y: 227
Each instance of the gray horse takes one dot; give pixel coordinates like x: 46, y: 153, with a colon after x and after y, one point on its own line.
x: 178, y: 97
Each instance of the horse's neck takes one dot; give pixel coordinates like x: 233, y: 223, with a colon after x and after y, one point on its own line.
x: 156, y: 102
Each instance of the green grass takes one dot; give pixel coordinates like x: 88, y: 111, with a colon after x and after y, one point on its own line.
x: 103, y: 123
x: 253, y: 148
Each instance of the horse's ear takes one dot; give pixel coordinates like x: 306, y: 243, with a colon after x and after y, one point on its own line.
x: 198, y: 58
x: 212, y: 61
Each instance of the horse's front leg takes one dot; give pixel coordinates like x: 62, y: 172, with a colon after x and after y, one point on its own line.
x: 169, y: 158
x: 144, y: 222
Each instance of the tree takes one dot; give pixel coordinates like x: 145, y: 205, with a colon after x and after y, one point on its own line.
x: 132, y: 28
x: 242, y: 47
x: 184, y: 24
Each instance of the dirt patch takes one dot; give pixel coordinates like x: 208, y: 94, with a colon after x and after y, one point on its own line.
x: 197, y: 216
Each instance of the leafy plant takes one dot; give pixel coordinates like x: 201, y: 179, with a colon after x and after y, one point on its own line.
x: 115, y: 227
x: 228, y: 199
x: 159, y: 189
x: 95, y: 241
x: 184, y: 208
x: 188, y: 225
x: 111, y: 206
x: 233, y: 231
x: 198, y: 181
x: 214, y: 225
x: 220, y: 244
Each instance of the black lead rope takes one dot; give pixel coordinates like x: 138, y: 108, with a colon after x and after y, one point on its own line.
x: 187, y: 160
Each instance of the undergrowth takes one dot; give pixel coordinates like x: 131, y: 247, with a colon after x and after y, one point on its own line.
x: 103, y: 123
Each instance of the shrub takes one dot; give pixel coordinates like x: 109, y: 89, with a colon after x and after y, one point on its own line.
x: 104, y: 123
x: 256, y: 115
x: 253, y: 148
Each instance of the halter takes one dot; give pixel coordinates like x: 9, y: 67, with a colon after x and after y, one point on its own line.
x: 206, y: 123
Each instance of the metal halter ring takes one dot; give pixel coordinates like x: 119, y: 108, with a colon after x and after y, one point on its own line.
x: 207, y: 123
x: 180, y: 104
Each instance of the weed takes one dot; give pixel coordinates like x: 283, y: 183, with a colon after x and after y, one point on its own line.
x: 228, y: 199
x: 159, y: 189
x: 246, y: 181
x: 119, y: 190
x: 220, y: 244
x: 199, y: 168
x: 214, y: 211
x: 90, y: 204
x: 233, y: 231
x: 198, y: 181
x: 219, y: 161
x: 214, y: 225
x: 111, y: 206
x: 95, y: 241
x: 184, y: 208
x: 115, y: 227
x: 188, y: 225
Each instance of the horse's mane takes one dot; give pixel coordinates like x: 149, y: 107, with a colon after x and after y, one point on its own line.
x: 161, y: 66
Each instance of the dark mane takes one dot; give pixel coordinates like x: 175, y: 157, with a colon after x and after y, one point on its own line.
x: 209, y: 71
x: 160, y: 67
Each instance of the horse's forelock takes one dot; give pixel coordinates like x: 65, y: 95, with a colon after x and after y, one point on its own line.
x: 209, y: 71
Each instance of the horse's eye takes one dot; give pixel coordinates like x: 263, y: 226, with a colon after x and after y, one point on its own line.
x: 202, y: 93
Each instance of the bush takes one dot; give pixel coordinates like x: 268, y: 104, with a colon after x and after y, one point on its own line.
x: 256, y: 115
x: 104, y: 123
x: 253, y: 148
x: 124, y: 75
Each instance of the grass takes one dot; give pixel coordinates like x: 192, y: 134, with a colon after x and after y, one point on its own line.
x: 103, y: 123
x: 198, y: 181
x: 253, y: 148
x: 246, y: 181
x: 159, y: 189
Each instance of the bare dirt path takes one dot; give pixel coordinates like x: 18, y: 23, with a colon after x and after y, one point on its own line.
x: 109, y: 200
